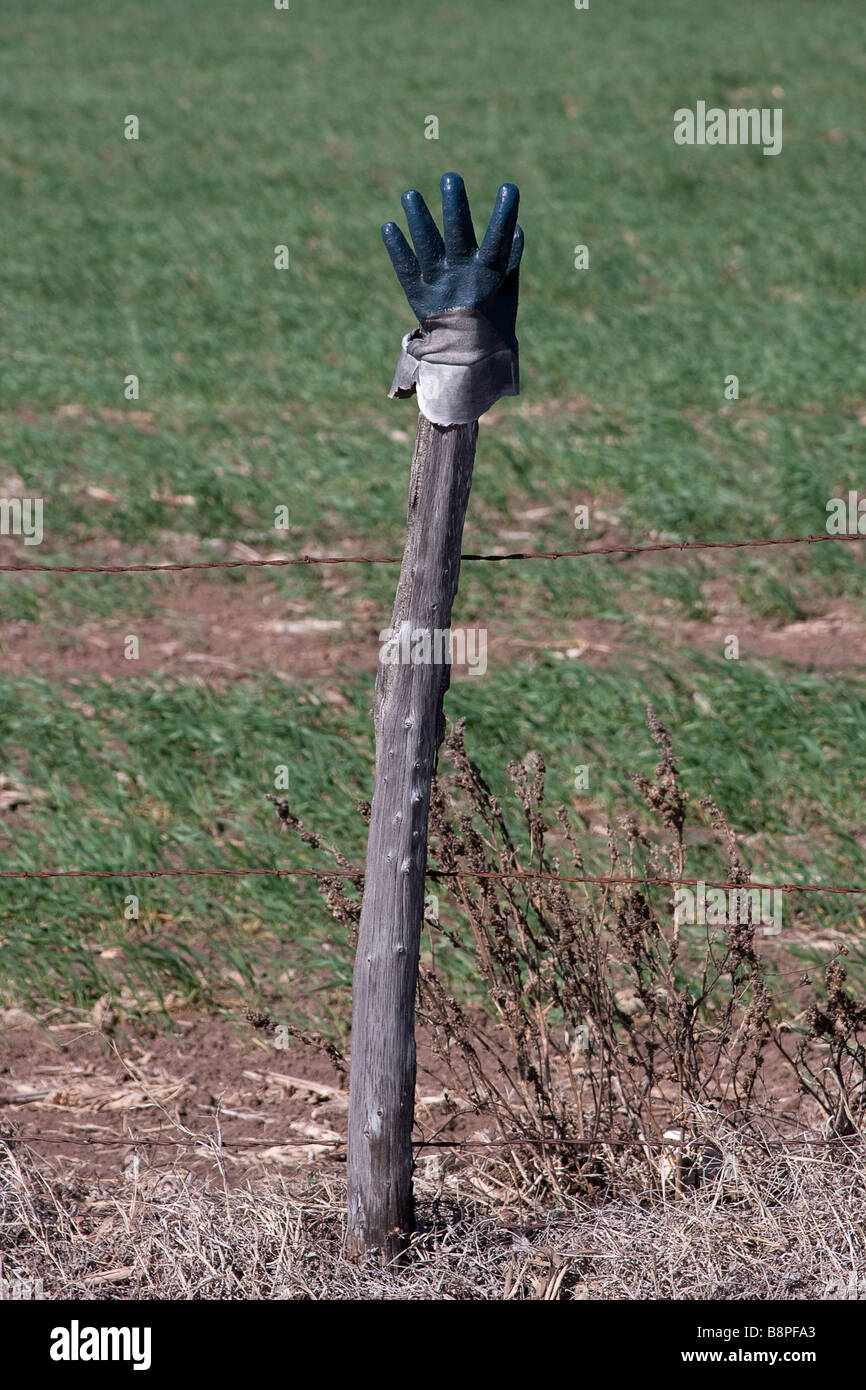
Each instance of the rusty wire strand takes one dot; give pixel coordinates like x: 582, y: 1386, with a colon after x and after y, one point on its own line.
x: 278, y: 561
x: 206, y: 1142
x: 357, y: 876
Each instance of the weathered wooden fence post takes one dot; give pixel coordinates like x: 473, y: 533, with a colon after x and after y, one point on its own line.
x: 408, y: 721
x: 461, y: 358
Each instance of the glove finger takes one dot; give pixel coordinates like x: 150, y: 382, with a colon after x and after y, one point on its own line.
x: 456, y: 218
x: 516, y: 249
x: 402, y: 256
x: 429, y: 246
x: 496, y: 246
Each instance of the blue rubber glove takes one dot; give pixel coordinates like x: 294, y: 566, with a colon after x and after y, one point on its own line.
x: 463, y: 355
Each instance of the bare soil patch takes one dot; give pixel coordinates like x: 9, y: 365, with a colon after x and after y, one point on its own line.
x: 82, y: 1096
x: 226, y: 633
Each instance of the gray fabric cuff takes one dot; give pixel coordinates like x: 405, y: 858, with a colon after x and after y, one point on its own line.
x: 459, y: 366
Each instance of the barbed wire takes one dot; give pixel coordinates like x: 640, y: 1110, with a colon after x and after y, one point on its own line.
x: 278, y: 561
x: 357, y: 876
x: 544, y: 1141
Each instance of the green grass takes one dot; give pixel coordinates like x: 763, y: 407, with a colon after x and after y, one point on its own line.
x: 264, y: 388
x: 175, y: 775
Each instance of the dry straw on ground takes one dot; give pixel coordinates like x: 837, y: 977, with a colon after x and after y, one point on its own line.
x: 770, y: 1224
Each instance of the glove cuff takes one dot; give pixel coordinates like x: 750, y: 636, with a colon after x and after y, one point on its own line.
x: 458, y: 364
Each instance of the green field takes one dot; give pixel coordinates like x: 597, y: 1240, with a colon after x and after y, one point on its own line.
x: 262, y: 388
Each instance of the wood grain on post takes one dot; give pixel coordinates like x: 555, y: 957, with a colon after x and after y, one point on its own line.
x: 409, y: 726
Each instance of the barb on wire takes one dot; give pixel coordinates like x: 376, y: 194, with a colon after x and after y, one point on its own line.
x: 278, y: 561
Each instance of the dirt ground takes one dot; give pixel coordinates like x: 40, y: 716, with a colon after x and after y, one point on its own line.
x: 101, y: 1100
x: 86, y: 1096
x: 198, y: 628
x: 82, y: 1096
